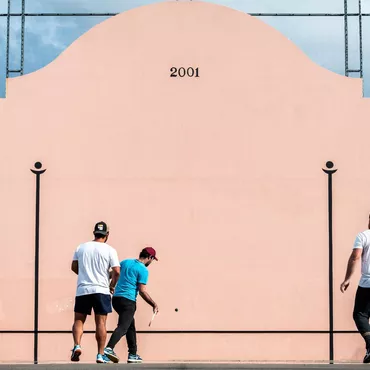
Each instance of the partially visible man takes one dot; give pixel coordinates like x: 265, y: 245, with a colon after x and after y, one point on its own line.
x: 92, y: 262
x: 361, y: 311
x: 132, y: 281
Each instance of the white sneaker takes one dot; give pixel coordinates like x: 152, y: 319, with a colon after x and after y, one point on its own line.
x: 102, y: 359
x: 76, y: 353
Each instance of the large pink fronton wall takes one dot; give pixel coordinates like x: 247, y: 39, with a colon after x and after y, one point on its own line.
x: 221, y: 173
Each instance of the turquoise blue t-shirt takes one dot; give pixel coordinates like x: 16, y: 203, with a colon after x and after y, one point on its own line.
x: 133, y: 272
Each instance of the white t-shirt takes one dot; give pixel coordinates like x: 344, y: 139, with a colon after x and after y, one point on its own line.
x: 94, y: 261
x: 363, y: 241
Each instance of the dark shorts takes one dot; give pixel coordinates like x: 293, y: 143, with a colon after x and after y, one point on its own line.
x: 101, y: 303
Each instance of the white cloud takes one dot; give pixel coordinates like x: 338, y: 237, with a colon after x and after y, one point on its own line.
x: 50, y: 30
x: 47, y: 31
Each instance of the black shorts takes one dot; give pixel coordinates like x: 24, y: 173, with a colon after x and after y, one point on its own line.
x: 101, y: 303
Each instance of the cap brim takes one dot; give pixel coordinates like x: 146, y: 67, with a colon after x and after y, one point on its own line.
x: 105, y: 233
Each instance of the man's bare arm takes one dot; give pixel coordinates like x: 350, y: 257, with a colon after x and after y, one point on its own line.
x: 144, y: 295
x: 74, y: 267
x: 114, y: 275
x: 354, y: 257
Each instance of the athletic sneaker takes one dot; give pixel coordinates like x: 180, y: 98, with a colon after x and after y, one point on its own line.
x: 367, y: 356
x: 76, y: 353
x: 102, y: 359
x: 134, y: 359
x: 111, y: 354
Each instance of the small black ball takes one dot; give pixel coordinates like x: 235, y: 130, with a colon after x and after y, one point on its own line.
x: 176, y: 309
x: 329, y: 164
x: 38, y: 165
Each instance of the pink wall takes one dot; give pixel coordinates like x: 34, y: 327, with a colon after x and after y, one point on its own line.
x: 222, y: 174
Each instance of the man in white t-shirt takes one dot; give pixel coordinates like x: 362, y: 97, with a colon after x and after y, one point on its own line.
x: 92, y: 262
x: 361, y: 311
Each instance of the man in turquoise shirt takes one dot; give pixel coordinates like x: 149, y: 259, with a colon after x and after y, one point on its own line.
x: 132, y: 281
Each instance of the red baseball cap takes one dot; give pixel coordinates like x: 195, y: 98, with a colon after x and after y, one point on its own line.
x: 151, y: 252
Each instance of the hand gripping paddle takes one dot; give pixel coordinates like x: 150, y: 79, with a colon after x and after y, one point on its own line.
x: 153, y: 316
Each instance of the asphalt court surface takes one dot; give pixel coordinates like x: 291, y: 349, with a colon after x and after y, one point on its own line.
x: 186, y: 365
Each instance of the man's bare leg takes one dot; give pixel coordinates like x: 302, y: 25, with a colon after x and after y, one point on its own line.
x: 77, y: 330
x: 101, y: 332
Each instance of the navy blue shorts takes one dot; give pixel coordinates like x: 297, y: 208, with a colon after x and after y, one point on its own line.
x: 101, y: 303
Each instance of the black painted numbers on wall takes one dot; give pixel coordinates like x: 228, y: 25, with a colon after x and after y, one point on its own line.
x: 183, y: 72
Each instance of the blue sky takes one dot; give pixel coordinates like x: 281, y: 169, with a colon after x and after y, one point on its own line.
x: 322, y: 39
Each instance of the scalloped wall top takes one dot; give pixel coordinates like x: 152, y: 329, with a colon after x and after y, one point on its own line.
x: 184, y: 32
